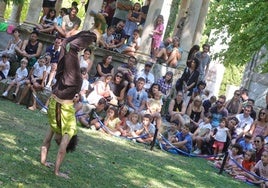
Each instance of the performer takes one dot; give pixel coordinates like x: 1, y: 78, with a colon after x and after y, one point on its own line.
x: 61, y: 112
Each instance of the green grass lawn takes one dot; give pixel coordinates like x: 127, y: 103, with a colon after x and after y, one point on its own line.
x: 99, y: 161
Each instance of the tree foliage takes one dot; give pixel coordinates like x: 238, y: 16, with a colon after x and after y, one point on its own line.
x: 14, y: 1
x: 246, y: 24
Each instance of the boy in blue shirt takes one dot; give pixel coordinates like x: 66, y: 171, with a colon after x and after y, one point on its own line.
x: 182, y: 140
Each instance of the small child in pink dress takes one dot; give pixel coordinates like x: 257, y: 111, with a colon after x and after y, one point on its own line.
x: 157, y: 35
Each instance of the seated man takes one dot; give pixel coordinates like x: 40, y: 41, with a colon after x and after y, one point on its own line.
x: 70, y: 24
x: 137, y: 97
x: 147, y: 75
x: 31, y: 49
x: 119, y: 35
x: 171, y: 54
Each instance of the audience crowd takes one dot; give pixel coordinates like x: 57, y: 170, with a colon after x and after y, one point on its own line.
x: 131, y: 103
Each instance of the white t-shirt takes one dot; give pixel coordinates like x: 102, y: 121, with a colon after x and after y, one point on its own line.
x: 203, y: 128
x: 38, y: 71
x: 221, y: 134
x: 85, y: 85
x: 132, y: 126
x: 244, y: 123
x: 107, y: 39
x: 21, y: 73
x: 6, y: 68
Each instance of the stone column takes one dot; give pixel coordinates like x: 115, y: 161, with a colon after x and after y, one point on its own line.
x: 201, y: 22
x: 183, y: 12
x: 58, y: 6
x: 188, y: 34
x: 89, y: 20
x: 15, y: 14
x: 33, y: 14
x: 157, y: 7
x: 2, y: 11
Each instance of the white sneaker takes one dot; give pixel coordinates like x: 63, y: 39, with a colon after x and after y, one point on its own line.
x: 48, y: 88
x: 197, y: 151
x: 5, y: 94
x: 43, y: 110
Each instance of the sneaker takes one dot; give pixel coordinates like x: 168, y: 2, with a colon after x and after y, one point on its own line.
x: 43, y: 110
x: 197, y: 151
x: 5, y: 94
x: 48, y: 88
x: 14, y: 95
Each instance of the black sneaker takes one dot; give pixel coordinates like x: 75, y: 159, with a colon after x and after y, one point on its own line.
x: 14, y: 95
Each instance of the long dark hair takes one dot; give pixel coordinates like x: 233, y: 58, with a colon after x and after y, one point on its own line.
x: 72, y: 144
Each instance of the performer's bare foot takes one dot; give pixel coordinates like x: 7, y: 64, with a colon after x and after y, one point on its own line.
x: 48, y: 164
x: 63, y: 175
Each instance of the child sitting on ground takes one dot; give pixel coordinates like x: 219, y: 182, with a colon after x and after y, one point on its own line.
x: 133, y: 124
x: 182, y: 140
x: 89, y: 119
x: 245, y: 142
x: 262, y: 168
x: 20, y: 77
x: 248, y: 163
x: 202, y: 133
x: 235, y: 153
x: 221, y: 137
x: 112, y: 122
x: 146, y: 129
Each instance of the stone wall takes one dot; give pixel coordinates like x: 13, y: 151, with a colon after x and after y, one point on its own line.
x: 256, y: 83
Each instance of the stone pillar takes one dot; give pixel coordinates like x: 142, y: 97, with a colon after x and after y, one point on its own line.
x: 89, y: 20
x: 15, y: 14
x: 157, y: 7
x: 33, y: 14
x: 188, y: 34
x: 183, y: 11
x: 58, y: 6
x: 201, y: 22
x: 2, y: 11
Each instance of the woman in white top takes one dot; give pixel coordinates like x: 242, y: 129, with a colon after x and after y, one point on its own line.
x: 85, y: 61
x: 13, y: 43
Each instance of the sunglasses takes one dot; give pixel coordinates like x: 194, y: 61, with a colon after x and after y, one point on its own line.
x: 220, y: 102
x: 257, y: 141
x: 119, y: 76
x: 237, y: 94
x: 262, y: 113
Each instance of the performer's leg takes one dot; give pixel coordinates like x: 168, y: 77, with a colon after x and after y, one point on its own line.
x: 45, y: 147
x: 61, y: 154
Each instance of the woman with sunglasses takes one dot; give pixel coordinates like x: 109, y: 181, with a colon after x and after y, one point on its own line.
x: 260, y: 126
x: 118, y: 86
x: 259, y: 146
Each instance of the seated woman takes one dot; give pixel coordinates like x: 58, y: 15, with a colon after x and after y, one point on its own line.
x: 85, y: 60
x: 172, y: 53
x: 101, y: 90
x: 47, y: 23
x: 119, y: 86
x: 105, y: 68
x: 12, y: 44
x: 196, y: 113
x: 177, y: 108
